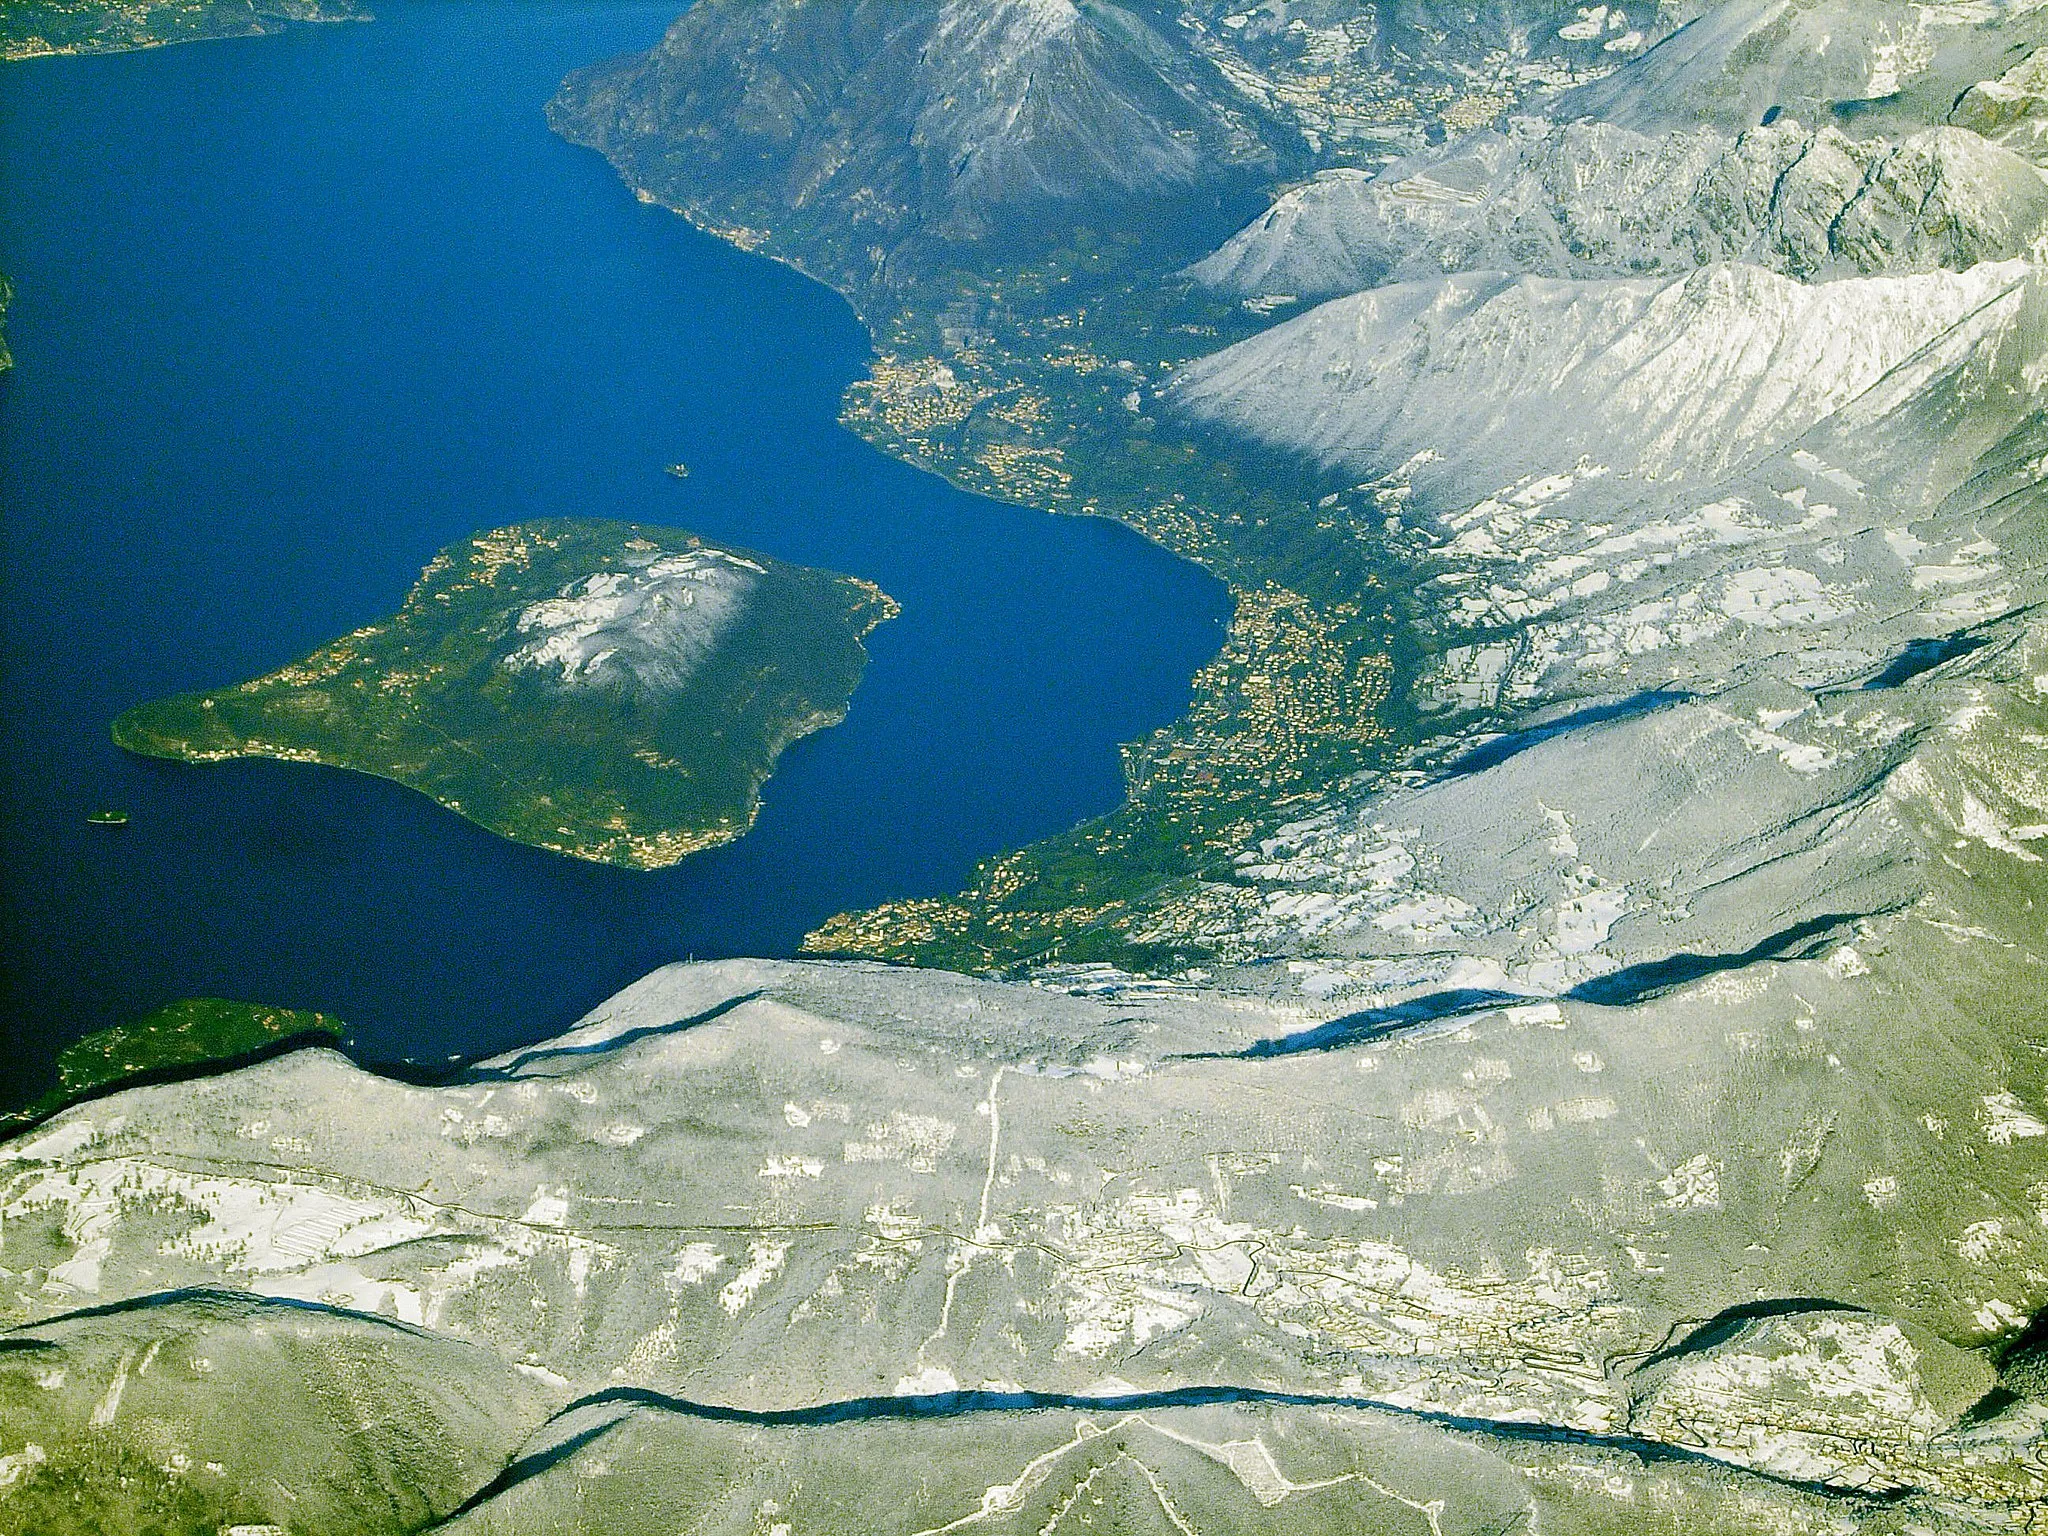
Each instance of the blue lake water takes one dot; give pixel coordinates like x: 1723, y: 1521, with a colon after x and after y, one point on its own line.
x: 294, y: 312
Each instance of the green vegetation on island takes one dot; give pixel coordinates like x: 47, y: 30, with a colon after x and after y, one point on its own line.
x: 197, y: 1032
x: 32, y: 29
x: 609, y: 691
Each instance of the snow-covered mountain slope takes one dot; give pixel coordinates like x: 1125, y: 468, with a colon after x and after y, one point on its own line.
x: 771, y: 1188
x: 1819, y: 138
x: 872, y: 127
x: 1590, y: 199
x: 1499, y: 376
x: 1744, y: 60
x: 1752, y: 568
x: 1616, y: 487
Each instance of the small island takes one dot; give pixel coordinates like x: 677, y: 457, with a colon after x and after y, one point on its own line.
x: 613, y: 692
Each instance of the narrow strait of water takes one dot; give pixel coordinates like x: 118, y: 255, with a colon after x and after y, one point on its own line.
x: 294, y: 312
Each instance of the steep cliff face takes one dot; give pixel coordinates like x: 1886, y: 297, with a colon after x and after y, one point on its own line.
x: 881, y: 122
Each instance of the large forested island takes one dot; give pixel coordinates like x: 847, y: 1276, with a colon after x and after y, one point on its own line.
x: 605, y: 690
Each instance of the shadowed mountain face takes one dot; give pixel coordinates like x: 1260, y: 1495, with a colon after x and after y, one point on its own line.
x: 889, y: 121
x: 879, y: 133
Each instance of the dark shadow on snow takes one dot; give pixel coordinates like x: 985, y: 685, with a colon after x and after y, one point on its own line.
x: 1501, y: 748
x: 1725, y: 1325
x: 1374, y: 1024
x: 1653, y: 978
